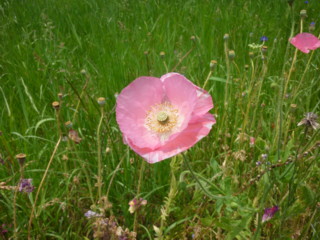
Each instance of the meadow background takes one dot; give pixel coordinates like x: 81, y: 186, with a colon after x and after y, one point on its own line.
x: 76, y: 51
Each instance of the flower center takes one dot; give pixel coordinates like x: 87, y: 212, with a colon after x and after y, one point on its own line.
x: 162, y: 118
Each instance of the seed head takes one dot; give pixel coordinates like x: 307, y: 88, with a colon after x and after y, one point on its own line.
x: 310, y: 120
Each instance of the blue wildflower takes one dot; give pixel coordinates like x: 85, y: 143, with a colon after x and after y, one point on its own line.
x: 263, y: 39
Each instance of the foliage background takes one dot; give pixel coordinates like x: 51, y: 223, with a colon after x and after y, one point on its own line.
x: 46, y: 45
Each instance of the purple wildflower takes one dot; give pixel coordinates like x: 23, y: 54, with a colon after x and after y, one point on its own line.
x: 306, y: 2
x: 3, y: 230
x: 92, y: 214
x: 269, y: 213
x: 258, y: 163
x: 264, y: 39
x: 26, y: 185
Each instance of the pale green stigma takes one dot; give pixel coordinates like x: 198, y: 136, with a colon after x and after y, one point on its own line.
x: 162, y: 117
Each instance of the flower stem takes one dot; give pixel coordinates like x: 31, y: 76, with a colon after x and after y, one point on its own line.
x: 197, y: 180
x: 99, y: 154
x: 135, y: 221
x: 165, y: 210
x: 45, y: 175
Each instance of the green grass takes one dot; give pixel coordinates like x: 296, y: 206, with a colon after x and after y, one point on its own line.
x: 46, y: 45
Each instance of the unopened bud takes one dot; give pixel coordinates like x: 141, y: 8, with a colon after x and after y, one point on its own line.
x: 83, y: 71
x: 56, y: 105
x: 101, y: 101
x: 303, y: 13
x: 60, y: 96
x: 312, y: 26
x: 21, y: 158
x: 192, y: 38
x: 162, y: 54
x: 231, y: 54
x: 226, y: 37
x: 68, y: 124
x: 264, y: 49
x: 213, y: 64
x: 251, y: 54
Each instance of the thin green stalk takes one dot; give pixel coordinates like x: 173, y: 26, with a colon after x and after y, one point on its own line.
x: 264, y: 71
x: 45, y: 174
x: 135, y: 221
x: 180, y: 60
x: 165, y: 210
x: 197, y: 180
x: 40, y: 186
x: 15, y: 205
x: 100, y: 170
x: 206, y: 81
x: 80, y: 97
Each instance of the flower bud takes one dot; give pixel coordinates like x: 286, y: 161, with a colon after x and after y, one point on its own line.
x: 162, y: 54
x: 264, y: 49
x: 312, y: 26
x: 251, y: 54
x: 303, y: 13
x: 101, y: 101
x: 213, y: 64
x: 56, y: 105
x: 231, y: 54
x: 226, y: 37
x: 21, y: 157
x: 68, y: 124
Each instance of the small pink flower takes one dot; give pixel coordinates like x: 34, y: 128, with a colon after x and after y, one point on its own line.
x: 136, y: 203
x: 252, y: 141
x: 305, y: 42
x: 161, y: 117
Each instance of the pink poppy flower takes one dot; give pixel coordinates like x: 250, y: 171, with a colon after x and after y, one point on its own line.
x: 161, y: 117
x: 305, y: 42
